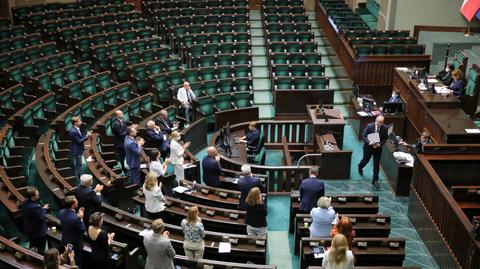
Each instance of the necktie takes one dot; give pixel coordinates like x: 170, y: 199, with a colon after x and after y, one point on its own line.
x: 376, y: 129
x: 189, y: 98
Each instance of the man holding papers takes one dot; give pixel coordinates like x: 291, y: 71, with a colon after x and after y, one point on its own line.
x: 374, y: 136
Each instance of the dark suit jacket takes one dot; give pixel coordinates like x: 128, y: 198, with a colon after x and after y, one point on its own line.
x: 77, y: 139
x: 165, y: 125
x: 88, y: 199
x: 211, y: 171
x: 370, y: 128
x: 34, y: 223
x: 311, y: 189
x: 72, y: 229
x: 132, y: 152
x: 252, y: 138
x: 119, y: 130
x: 457, y: 87
x: 244, y: 185
x: 395, y: 99
x: 157, y: 139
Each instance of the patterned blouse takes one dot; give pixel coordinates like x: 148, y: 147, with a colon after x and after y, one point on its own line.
x: 193, y: 232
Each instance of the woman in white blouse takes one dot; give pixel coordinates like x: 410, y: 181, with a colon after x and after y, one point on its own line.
x: 154, y: 200
x: 155, y: 163
x: 338, y: 256
x: 176, y: 155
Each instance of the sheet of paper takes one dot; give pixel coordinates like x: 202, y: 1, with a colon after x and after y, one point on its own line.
x: 189, y: 165
x: 89, y: 159
x: 362, y: 113
x: 145, y: 232
x: 404, y: 69
x: 472, y: 131
x: 432, y: 80
x: 143, y: 166
x: 224, y: 247
x: 180, y: 189
x: 318, y: 255
x: 374, y: 138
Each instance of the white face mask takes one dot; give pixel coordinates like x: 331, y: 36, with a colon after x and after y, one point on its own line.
x: 447, y: 70
x: 178, y: 138
x: 394, y: 94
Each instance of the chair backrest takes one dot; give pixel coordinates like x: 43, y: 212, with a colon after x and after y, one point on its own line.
x: 472, y: 87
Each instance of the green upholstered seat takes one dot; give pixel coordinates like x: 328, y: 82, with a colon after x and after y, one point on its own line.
x: 210, y: 87
x: 319, y: 82
x: 204, y: 106
x: 243, y: 84
x: 175, y: 78
x: 242, y: 99
x: 281, y: 70
x: 282, y: 83
x: 191, y: 75
x: 223, y: 101
x: 222, y: 72
x: 208, y: 73
x: 226, y: 85
x: 242, y: 71
x: 301, y: 83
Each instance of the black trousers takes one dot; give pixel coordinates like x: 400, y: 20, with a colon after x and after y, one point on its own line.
x: 38, y: 243
x: 368, y: 152
x: 120, y: 157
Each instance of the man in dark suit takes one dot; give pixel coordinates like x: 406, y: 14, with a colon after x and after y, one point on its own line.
x: 252, y: 137
x: 245, y: 183
x: 34, y: 223
x: 311, y: 189
x: 395, y: 97
x: 88, y: 198
x: 133, y: 149
x: 446, y: 75
x: 72, y: 226
x: 119, y: 130
x: 375, y: 149
x: 166, y: 126
x: 211, y: 168
x: 158, y: 138
x: 77, y: 147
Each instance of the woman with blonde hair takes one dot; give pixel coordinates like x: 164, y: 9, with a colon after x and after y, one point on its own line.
x: 322, y: 218
x: 194, y: 233
x: 176, y: 155
x: 154, y: 200
x: 344, y: 226
x: 256, y: 218
x: 338, y: 256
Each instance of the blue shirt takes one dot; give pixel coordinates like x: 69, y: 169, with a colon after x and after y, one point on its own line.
x: 322, y: 219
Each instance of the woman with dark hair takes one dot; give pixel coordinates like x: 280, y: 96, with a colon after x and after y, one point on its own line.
x: 156, y: 165
x: 53, y: 260
x: 100, y: 242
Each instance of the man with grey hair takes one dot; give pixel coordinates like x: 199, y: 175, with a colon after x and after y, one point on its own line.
x: 245, y: 183
x: 160, y: 252
x: 88, y: 198
x: 162, y: 121
x: 186, y: 97
x: 311, y: 189
x: 158, y: 138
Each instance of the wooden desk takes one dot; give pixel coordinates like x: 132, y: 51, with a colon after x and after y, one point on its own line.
x: 440, y: 115
x: 399, y: 176
x: 360, y: 122
x: 334, y: 162
x: 331, y: 121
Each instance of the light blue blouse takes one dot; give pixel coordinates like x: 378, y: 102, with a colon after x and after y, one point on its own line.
x: 322, y: 219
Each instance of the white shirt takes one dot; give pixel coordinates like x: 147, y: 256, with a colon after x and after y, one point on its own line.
x: 157, y: 167
x: 153, y: 200
x: 348, y: 264
x: 182, y: 95
x: 176, y: 153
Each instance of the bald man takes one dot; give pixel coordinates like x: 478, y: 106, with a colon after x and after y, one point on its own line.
x: 158, y: 138
x: 211, y: 167
x: 186, y: 96
x: 373, y: 149
x: 119, y: 127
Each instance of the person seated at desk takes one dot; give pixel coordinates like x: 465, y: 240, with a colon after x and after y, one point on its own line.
x: 395, y: 97
x: 166, y: 126
x: 418, y: 146
x: 252, y: 137
x: 458, y: 84
x: 446, y: 75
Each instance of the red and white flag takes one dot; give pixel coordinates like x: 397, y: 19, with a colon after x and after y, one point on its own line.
x: 469, y: 8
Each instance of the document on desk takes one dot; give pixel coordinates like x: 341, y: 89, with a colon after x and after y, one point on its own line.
x: 404, y: 69
x: 472, y: 131
x: 362, y: 113
x: 180, y: 189
x: 145, y: 232
x: 224, y: 247
x: 432, y: 80
x: 373, y: 138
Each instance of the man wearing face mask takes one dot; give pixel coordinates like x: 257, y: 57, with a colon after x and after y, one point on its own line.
x: 446, y: 75
x: 395, y: 98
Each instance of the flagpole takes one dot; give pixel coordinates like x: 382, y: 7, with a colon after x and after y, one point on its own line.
x: 468, y: 33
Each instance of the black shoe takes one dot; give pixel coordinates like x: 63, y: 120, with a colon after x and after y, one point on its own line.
x: 132, y: 210
x: 375, y: 183
x: 360, y: 170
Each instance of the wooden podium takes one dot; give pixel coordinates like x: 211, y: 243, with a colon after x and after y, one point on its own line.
x: 327, y: 121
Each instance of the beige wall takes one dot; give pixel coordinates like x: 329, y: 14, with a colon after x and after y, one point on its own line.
x: 405, y: 14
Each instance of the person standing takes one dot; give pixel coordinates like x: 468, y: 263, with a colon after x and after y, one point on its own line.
x: 322, y: 218
x: 154, y: 199
x: 34, y: 222
x: 256, y: 217
x: 77, y: 146
x: 158, y: 138
x: 119, y: 130
x: 53, y: 260
x: 72, y: 226
x: 176, y: 155
x: 344, y: 226
x: 338, y: 256
x: 88, y: 198
x: 245, y: 183
x: 185, y: 96
x: 160, y: 252
x: 193, y: 230
x: 133, y: 149
x: 156, y: 165
x: 100, y: 242
x: 311, y: 189
x: 373, y: 148
x: 211, y: 168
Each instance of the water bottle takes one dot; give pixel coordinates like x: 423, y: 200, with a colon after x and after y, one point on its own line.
x: 194, y: 186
